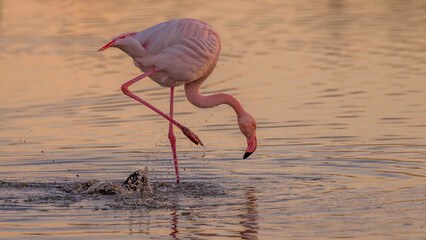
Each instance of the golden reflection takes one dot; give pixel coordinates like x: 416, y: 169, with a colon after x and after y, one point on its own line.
x: 337, y: 87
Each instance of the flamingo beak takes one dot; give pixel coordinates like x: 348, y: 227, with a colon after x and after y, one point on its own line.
x: 251, y: 145
x: 110, y: 44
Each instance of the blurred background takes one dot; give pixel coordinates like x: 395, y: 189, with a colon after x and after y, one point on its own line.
x: 337, y: 88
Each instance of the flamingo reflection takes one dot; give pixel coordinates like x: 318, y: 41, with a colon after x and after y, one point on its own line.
x: 174, y: 228
x: 249, y: 219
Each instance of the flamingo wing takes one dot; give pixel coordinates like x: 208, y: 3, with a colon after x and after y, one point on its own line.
x: 188, y: 59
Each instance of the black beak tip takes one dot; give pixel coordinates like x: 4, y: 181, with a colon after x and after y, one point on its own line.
x: 247, y: 154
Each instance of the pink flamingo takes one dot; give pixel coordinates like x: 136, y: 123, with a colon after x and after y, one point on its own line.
x: 176, y: 52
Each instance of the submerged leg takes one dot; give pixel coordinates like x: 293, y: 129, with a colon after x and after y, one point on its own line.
x: 172, y: 137
x: 188, y: 133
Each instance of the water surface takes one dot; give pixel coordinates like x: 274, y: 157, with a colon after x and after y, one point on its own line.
x: 337, y: 89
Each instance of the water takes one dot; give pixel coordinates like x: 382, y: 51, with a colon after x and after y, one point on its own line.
x: 337, y: 89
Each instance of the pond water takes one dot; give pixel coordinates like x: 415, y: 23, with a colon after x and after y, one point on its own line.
x: 338, y: 90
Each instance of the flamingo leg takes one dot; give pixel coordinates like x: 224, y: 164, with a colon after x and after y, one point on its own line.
x: 172, y: 137
x: 125, y: 88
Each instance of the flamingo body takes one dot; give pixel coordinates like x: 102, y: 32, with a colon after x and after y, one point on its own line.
x: 183, y: 50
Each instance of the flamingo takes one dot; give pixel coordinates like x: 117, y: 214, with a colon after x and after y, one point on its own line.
x: 181, y: 52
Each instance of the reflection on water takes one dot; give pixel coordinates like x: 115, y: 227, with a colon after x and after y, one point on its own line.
x: 337, y: 89
x: 249, y: 219
x: 175, y: 221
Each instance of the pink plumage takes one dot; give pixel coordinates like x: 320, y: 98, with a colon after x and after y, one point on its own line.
x: 176, y: 52
x: 184, y: 50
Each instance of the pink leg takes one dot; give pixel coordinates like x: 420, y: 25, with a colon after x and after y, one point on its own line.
x: 172, y: 137
x: 188, y: 133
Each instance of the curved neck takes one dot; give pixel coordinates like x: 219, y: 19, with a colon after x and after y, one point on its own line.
x: 192, y: 91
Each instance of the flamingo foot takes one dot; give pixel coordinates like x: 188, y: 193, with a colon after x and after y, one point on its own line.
x: 192, y: 136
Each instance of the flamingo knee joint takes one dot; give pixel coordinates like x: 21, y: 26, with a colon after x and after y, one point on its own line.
x: 125, y: 89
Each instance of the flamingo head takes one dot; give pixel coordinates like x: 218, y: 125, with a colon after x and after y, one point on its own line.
x: 248, y: 127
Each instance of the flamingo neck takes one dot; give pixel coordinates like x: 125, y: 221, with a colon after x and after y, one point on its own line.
x: 192, y: 91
